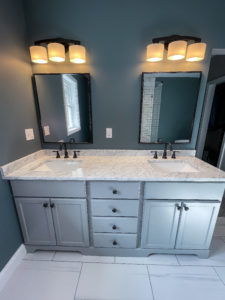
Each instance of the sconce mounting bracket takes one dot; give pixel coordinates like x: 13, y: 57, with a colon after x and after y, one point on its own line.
x: 172, y: 38
x: 65, y: 42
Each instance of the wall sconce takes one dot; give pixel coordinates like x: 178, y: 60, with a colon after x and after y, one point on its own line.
x: 178, y: 48
x: 56, y: 51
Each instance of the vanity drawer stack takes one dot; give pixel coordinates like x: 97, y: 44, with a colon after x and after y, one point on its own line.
x: 114, y: 210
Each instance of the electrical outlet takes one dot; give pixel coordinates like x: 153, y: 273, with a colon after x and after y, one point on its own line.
x: 46, y: 130
x: 108, y: 133
x: 29, y: 133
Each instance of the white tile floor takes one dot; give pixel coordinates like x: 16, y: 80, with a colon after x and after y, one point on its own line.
x: 72, y: 276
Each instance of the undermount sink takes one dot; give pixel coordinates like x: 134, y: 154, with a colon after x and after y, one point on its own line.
x: 58, y: 165
x: 173, y: 166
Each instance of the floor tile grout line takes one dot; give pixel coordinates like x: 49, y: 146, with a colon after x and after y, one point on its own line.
x: 75, y: 294
x: 177, y: 260
x: 150, y: 283
x: 214, y: 268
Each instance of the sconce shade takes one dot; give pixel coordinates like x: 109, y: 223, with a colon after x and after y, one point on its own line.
x: 56, y: 52
x: 77, y: 54
x: 177, y: 50
x: 38, y: 54
x: 155, y: 52
x: 196, y: 52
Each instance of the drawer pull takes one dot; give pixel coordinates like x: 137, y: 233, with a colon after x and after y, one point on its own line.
x: 115, y: 243
x: 115, y: 192
x: 45, y: 205
x: 114, y: 227
x: 114, y: 210
x: 178, y: 207
x: 52, y: 205
x: 186, y: 208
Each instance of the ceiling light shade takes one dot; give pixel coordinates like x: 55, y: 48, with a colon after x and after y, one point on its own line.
x: 177, y: 50
x: 155, y: 52
x: 38, y: 54
x: 196, y: 52
x: 77, y: 54
x: 56, y: 52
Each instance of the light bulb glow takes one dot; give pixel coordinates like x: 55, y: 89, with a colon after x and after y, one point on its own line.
x: 177, y: 50
x: 155, y: 52
x: 56, y: 52
x: 38, y: 54
x: 77, y: 54
x: 196, y: 52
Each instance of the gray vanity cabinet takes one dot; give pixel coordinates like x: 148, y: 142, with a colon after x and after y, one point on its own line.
x: 70, y: 220
x: 197, y: 225
x: 61, y: 222
x: 160, y: 221
x: 36, y: 221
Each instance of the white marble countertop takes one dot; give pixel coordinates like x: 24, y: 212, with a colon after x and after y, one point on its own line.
x: 106, y: 165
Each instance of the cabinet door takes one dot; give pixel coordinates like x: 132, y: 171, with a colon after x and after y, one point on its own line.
x: 36, y: 221
x: 197, y: 225
x: 160, y: 222
x: 71, y: 222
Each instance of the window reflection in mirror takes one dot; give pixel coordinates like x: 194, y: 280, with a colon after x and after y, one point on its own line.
x: 64, y: 107
x: 168, y: 106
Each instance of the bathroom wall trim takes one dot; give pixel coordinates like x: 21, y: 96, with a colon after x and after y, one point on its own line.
x: 11, y: 266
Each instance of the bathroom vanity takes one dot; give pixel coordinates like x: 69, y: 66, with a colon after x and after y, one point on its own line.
x: 117, y: 203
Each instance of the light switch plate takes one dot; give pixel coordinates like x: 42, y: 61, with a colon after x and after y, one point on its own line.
x: 108, y: 133
x: 46, y: 130
x: 29, y: 133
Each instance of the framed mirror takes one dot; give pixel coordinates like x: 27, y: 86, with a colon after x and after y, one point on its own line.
x: 168, y: 106
x: 63, y: 103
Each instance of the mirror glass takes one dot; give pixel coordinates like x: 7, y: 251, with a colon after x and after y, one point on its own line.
x: 168, y: 106
x: 64, y: 107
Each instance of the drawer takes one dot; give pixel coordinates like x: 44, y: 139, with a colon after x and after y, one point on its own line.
x: 181, y: 190
x: 115, y: 240
x: 47, y: 188
x: 115, y: 208
x: 115, y: 190
x: 119, y: 225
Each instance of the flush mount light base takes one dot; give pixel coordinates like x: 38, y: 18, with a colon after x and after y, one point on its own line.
x: 56, y: 49
x: 178, y: 46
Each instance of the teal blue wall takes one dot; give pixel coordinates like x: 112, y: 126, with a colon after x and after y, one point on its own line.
x: 115, y: 34
x: 16, y: 113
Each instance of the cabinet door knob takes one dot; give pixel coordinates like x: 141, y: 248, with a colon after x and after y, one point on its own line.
x: 52, y: 205
x: 114, y: 227
x: 186, y: 208
x: 114, y: 210
x: 178, y: 207
x: 115, y: 192
x: 45, y: 205
x: 115, y: 243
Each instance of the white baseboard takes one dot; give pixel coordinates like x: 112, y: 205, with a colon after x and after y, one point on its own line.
x: 12, y: 264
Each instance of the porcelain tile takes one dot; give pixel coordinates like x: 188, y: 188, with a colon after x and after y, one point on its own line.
x: 216, y: 258
x: 68, y: 256
x: 35, y: 280
x: 176, y: 283
x: 75, y: 256
x: 113, y: 282
x: 98, y: 259
x: 40, y: 255
x: 221, y: 273
x: 155, y: 259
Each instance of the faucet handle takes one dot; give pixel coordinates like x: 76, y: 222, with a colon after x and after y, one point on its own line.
x: 155, y: 154
x: 57, y: 153
x: 75, y: 153
x: 174, y: 154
